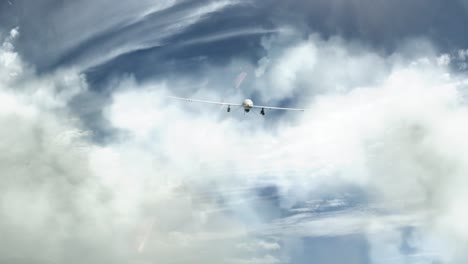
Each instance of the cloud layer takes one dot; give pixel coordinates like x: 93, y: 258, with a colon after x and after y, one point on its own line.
x: 182, y: 183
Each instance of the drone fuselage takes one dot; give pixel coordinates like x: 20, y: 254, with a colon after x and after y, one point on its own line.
x: 247, y: 104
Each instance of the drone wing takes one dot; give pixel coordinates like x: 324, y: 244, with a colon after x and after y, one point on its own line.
x: 278, y: 108
x: 203, y: 101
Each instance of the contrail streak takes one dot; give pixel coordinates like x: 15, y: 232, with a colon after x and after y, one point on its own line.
x: 146, y: 236
x: 240, y: 78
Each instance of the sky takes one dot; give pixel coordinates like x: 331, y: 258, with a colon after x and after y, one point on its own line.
x: 97, y: 165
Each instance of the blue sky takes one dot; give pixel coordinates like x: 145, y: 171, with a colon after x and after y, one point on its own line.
x: 99, y: 166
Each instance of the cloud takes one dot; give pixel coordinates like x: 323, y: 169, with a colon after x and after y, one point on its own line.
x: 66, y: 199
x: 267, y: 259
x: 399, y: 136
x: 48, y: 196
x: 104, y: 30
x: 135, y: 37
x: 315, y: 66
x: 180, y: 179
x: 369, y: 20
x: 462, y: 54
x: 11, y: 65
x: 259, y: 245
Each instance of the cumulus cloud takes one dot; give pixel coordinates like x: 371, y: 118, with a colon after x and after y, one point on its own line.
x: 315, y: 66
x: 180, y: 180
x: 398, y: 136
x: 66, y: 199
x: 47, y: 195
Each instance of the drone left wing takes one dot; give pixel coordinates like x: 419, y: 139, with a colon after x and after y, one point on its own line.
x: 278, y: 108
x: 203, y: 101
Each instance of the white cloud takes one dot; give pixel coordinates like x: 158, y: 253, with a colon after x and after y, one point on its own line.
x: 462, y: 54
x: 259, y: 245
x: 400, y: 136
x: 315, y: 66
x: 83, y: 202
x: 10, y: 65
x: 393, y: 127
x: 443, y: 60
x: 267, y: 259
